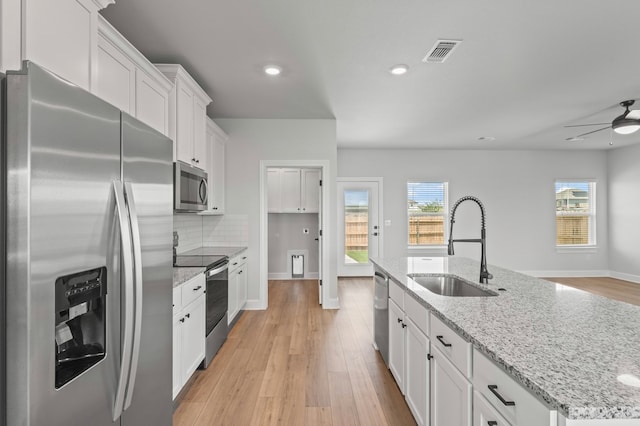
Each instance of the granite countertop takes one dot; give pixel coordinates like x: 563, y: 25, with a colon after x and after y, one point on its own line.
x: 567, y: 346
x: 184, y: 274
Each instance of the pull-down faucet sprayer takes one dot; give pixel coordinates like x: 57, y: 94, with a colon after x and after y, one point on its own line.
x: 484, y: 273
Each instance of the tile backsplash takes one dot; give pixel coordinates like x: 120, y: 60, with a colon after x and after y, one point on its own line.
x: 200, y: 231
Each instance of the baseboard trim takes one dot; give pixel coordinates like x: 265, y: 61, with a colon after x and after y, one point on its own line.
x: 255, y: 305
x: 624, y: 276
x: 287, y: 276
x: 331, y: 304
x: 568, y: 274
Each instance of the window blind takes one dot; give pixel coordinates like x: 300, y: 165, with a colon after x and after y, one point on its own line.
x: 575, y: 213
x: 427, y: 211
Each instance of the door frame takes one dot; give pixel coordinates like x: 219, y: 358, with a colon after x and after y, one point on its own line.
x: 340, y: 215
x: 324, y: 166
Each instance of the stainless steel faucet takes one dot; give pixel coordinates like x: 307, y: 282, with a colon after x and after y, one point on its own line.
x: 484, y: 273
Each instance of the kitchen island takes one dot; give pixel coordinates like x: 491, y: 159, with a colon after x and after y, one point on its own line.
x: 576, y: 352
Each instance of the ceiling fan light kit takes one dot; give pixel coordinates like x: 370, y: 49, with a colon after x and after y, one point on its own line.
x: 623, y: 124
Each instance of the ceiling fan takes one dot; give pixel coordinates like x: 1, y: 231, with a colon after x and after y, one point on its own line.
x: 624, y: 124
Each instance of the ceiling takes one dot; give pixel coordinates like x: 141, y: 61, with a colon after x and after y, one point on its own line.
x: 523, y: 71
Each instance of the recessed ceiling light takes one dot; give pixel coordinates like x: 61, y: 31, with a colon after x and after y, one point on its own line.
x: 575, y: 139
x: 399, y: 69
x: 487, y: 138
x: 272, y: 70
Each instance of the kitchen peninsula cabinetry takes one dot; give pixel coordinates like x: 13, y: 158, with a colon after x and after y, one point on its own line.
x: 187, y: 116
x: 188, y: 330
x: 293, y: 190
x: 125, y: 78
x: 237, y: 285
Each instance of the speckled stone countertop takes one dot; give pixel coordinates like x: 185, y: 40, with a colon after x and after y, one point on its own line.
x: 182, y: 275
x: 567, y: 346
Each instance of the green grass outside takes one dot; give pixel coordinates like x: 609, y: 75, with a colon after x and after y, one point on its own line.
x: 360, y: 256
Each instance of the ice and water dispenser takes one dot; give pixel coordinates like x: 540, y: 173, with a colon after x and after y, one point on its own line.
x: 80, y: 319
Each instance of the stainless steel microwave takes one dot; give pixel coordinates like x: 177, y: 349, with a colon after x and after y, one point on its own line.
x: 190, y: 188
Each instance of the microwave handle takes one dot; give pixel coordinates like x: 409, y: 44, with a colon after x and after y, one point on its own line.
x: 203, y: 190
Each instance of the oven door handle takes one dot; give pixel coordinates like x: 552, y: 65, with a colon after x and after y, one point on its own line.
x: 216, y: 271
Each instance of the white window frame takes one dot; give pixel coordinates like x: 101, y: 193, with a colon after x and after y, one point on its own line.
x: 428, y: 248
x: 591, y: 246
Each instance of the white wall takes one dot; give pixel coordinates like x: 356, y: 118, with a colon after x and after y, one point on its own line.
x: 516, y: 187
x: 286, y: 233
x: 253, y: 140
x: 624, y: 212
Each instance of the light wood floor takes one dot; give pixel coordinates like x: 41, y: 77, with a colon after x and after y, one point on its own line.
x: 612, y: 288
x: 296, y: 364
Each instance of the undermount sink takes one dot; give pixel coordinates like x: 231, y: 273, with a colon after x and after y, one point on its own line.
x: 450, y: 286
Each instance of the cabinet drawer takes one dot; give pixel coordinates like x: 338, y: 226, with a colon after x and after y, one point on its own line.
x: 177, y: 299
x: 519, y: 406
x: 396, y: 293
x: 454, y: 347
x: 237, y: 262
x: 192, y: 289
x: 484, y: 414
x: 418, y: 314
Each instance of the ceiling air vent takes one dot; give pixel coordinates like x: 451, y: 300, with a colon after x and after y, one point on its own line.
x: 441, y: 51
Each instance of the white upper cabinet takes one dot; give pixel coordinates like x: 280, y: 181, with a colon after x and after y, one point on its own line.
x: 187, y: 116
x: 216, y: 148
x: 57, y: 35
x: 293, y: 190
x: 125, y: 78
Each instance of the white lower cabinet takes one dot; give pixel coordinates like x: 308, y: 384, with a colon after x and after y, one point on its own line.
x: 188, y: 330
x: 484, y: 414
x: 397, y: 344
x: 450, y: 393
x: 417, y: 372
x: 237, y: 285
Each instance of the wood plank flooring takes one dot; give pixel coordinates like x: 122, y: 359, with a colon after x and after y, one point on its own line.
x: 612, y: 288
x: 297, y: 364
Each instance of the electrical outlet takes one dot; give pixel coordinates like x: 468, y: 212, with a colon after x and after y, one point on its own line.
x: 305, y: 230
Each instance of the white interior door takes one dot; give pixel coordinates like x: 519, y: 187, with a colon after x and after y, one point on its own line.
x: 358, y: 227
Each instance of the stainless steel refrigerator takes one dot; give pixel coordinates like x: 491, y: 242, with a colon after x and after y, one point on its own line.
x: 87, y: 222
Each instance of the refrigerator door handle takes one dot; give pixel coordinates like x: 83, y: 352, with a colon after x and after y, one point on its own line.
x: 127, y: 268
x: 137, y: 264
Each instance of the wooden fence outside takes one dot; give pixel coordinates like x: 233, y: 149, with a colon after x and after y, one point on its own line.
x: 422, y: 230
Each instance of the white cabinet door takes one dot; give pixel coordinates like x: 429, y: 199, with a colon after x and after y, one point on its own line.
x: 216, y: 146
x: 152, y: 102
x: 417, y: 372
x: 290, y: 191
x: 200, y: 133
x: 450, y: 393
x: 274, y: 192
x: 397, y: 344
x: 115, y: 77
x: 242, y: 287
x: 193, y: 337
x: 184, y: 123
x: 234, y: 279
x: 178, y: 320
x: 310, y: 189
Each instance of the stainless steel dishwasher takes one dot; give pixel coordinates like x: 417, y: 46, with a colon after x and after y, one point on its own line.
x: 381, y: 313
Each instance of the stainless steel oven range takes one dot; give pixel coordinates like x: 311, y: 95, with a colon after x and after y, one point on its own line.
x: 217, y: 299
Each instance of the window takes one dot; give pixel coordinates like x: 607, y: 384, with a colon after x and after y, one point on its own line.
x: 575, y: 213
x: 427, y: 210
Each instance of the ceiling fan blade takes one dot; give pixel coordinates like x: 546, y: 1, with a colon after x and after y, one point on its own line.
x: 588, y: 133
x: 634, y: 115
x: 592, y: 124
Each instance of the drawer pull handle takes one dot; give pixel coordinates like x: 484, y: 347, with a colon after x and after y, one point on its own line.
x: 492, y: 423
x: 494, y: 390
x: 441, y: 340
x: 197, y: 288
